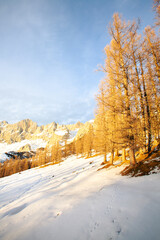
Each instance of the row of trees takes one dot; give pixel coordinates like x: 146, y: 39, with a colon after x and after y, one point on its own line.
x: 128, y: 100
x: 12, y: 166
x: 42, y: 157
x: 52, y: 154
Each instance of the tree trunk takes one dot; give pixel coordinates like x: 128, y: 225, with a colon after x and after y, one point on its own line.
x: 105, y: 158
x: 116, y: 153
x: 123, y: 155
x: 112, y: 157
x: 147, y: 109
x: 139, y: 93
x: 132, y: 156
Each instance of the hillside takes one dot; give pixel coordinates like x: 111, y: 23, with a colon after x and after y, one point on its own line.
x: 72, y: 200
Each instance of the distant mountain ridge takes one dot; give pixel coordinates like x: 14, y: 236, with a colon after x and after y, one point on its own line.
x: 26, y: 136
x: 28, y: 130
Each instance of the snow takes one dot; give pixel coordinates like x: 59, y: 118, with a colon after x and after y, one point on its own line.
x: 43, y: 133
x: 4, y: 147
x: 40, y: 134
x: 72, y: 200
x: 91, y: 121
x: 72, y: 135
x: 60, y: 132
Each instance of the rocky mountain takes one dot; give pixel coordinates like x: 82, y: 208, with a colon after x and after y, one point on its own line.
x: 20, y: 155
x: 84, y: 129
x: 27, y: 129
x: 26, y: 136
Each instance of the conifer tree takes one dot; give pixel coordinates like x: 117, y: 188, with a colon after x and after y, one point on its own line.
x: 88, y: 141
x: 130, y: 98
x: 156, y: 7
x: 101, y: 123
x: 119, y: 54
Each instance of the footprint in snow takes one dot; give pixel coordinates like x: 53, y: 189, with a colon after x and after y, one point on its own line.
x: 58, y: 214
x: 96, y: 225
x: 118, y: 228
x: 108, y: 210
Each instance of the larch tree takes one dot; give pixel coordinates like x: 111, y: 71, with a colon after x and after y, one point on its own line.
x: 120, y: 46
x: 129, y: 97
x: 101, y: 123
x: 156, y: 6
x: 88, y: 141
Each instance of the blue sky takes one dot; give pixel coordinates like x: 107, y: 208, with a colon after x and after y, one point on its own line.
x: 49, y: 53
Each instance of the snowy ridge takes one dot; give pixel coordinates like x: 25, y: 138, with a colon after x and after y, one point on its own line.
x: 72, y: 200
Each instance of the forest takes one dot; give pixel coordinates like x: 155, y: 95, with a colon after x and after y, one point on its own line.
x: 128, y: 110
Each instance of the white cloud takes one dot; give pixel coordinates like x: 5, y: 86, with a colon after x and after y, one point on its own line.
x: 15, y: 106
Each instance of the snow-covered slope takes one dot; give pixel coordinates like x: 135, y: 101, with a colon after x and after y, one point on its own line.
x: 4, y: 147
x: 72, y: 200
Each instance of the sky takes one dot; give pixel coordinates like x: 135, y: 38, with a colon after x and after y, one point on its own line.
x: 50, y: 51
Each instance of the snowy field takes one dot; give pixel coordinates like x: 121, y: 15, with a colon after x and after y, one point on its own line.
x: 74, y: 201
